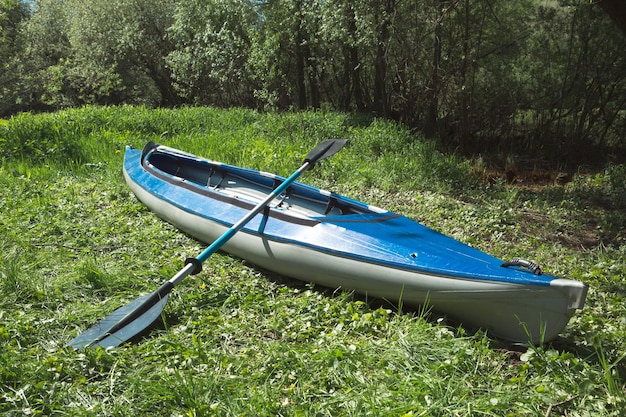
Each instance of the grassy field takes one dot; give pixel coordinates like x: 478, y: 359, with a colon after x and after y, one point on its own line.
x: 238, y: 341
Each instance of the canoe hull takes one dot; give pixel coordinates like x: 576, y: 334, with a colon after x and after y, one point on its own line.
x: 515, y: 312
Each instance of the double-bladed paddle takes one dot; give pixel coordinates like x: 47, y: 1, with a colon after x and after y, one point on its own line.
x: 131, y: 319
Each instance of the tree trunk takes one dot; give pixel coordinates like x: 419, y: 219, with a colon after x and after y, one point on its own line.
x: 380, y: 63
x: 300, y: 56
x: 380, y: 92
x: 432, y: 116
x: 465, y: 129
x: 352, y: 67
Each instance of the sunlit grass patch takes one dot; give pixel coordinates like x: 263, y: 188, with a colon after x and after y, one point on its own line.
x: 236, y: 340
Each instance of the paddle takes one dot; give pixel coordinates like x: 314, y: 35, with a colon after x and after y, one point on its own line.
x: 131, y: 319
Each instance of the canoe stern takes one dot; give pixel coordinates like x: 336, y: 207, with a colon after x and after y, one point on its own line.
x: 575, y: 291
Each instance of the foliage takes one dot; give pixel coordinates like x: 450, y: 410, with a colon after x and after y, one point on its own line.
x: 12, y: 13
x: 572, y: 98
x: 510, y: 77
x: 75, y: 244
x: 98, y: 52
x: 212, y: 42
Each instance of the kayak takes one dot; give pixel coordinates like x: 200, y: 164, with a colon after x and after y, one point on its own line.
x: 322, y: 237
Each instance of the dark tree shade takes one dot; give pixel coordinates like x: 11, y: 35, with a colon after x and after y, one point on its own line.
x: 616, y: 9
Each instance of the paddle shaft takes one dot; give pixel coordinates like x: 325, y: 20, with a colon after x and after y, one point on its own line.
x: 217, y: 244
x: 127, y: 321
x: 162, y: 292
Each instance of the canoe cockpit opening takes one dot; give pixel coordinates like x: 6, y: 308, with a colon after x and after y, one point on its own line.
x: 298, y: 200
x: 166, y: 163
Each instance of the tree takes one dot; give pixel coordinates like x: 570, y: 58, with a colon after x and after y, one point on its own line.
x: 212, y: 46
x: 119, y: 49
x: 98, y: 51
x: 290, y: 32
x: 12, y: 44
x: 578, y: 100
x: 340, y: 40
x: 47, y: 48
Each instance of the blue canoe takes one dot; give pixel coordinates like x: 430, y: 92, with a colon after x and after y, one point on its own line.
x: 322, y: 237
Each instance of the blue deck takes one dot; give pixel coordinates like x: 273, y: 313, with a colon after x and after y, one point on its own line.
x: 351, y: 229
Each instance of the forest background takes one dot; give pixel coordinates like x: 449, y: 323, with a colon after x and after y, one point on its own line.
x: 537, y: 80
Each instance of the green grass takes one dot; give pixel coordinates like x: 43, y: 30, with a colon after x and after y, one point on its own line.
x: 75, y: 244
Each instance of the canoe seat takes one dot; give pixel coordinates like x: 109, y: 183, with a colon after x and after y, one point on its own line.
x: 216, y: 177
x: 334, y: 207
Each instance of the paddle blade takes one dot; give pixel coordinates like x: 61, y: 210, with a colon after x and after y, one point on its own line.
x: 324, y: 150
x: 135, y: 327
x: 123, y: 323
